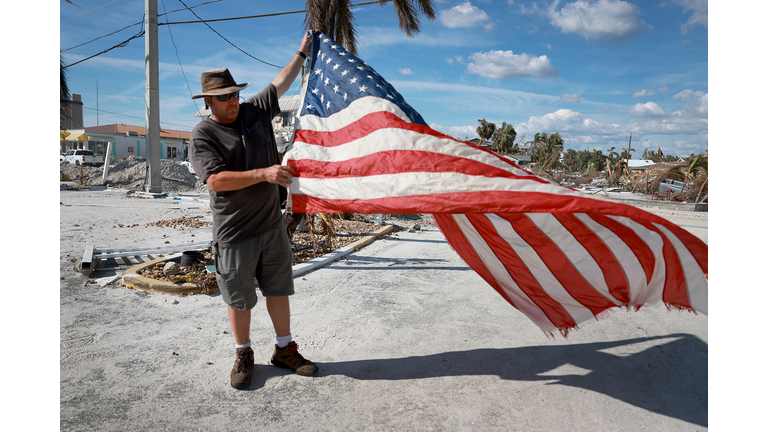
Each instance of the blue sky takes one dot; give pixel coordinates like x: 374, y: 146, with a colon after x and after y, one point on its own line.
x: 595, y: 71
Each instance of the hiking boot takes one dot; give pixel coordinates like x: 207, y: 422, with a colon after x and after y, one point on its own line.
x: 290, y: 358
x: 240, y: 377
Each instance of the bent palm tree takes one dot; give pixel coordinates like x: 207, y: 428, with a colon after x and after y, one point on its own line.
x: 692, y: 171
x: 335, y: 18
x: 485, y: 130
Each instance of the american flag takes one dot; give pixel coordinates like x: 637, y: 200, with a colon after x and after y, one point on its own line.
x: 559, y: 256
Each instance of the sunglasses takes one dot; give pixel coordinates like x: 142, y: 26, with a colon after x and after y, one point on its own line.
x: 225, y: 97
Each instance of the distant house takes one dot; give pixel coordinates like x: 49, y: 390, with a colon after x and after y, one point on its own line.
x: 126, y: 140
x: 289, y: 106
x: 519, y: 159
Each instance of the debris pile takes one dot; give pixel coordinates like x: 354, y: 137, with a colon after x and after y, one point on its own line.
x: 642, y: 181
x: 186, y: 222
x: 131, y: 174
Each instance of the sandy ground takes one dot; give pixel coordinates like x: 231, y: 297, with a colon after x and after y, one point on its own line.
x: 407, y: 337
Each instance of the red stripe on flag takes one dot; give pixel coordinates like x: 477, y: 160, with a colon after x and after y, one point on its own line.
x: 613, y: 272
x: 640, y: 248
x: 520, y: 273
x: 461, y: 245
x: 695, y: 245
x: 366, y: 125
x: 558, y: 263
x: 470, y: 202
x: 675, y: 286
x: 399, y: 161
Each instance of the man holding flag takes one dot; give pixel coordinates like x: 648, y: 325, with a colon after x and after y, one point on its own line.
x: 234, y: 152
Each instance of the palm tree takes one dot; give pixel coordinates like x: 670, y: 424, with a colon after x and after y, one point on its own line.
x: 504, y: 138
x: 335, y: 18
x: 545, y: 148
x: 697, y: 162
x: 64, y: 93
x: 539, y: 142
x: 625, y: 153
x: 555, y: 141
x: 485, y: 130
x: 547, y: 144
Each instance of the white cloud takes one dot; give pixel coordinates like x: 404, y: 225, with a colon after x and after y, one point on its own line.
x: 570, y: 98
x: 663, y: 89
x: 458, y: 132
x: 700, y: 14
x: 607, y: 21
x: 649, y: 119
x: 648, y: 109
x: 643, y: 93
x: 563, y: 120
x: 506, y: 64
x: 696, y: 102
x: 671, y: 124
x: 406, y: 71
x: 465, y: 15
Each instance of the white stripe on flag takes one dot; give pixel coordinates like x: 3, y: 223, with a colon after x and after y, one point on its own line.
x: 540, y: 271
x: 581, y: 259
x: 501, y: 275
x: 398, y: 139
x: 352, y: 113
x: 655, y: 291
x: 624, y: 255
x: 414, y: 184
x: 694, y: 277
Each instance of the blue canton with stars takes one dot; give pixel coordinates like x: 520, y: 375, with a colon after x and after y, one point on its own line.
x: 338, y: 77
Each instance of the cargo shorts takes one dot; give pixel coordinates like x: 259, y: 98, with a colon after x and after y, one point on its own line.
x: 265, y: 259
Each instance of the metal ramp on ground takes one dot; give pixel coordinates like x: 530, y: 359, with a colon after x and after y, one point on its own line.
x: 123, y: 258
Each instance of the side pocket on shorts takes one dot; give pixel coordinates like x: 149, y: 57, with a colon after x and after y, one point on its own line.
x: 229, y: 283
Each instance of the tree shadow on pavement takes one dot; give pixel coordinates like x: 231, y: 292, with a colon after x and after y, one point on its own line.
x: 668, y: 376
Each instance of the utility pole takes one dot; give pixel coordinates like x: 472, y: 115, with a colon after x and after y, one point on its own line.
x: 152, y: 85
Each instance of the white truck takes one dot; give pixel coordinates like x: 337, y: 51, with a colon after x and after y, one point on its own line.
x: 83, y: 157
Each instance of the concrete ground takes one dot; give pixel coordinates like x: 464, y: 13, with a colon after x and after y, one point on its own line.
x: 407, y: 337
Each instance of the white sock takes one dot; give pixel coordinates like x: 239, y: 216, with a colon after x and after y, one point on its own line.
x: 282, y: 341
x: 246, y: 345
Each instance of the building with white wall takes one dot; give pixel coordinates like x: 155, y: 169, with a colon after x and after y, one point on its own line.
x: 126, y: 141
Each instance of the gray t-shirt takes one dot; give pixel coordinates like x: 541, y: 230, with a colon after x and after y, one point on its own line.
x: 246, y: 144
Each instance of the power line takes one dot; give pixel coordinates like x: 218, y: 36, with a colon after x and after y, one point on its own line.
x: 130, y: 116
x: 200, y: 20
x: 88, y: 13
x: 100, y: 37
x: 179, y: 59
x: 120, y: 45
x: 193, y: 13
x: 105, y: 85
x: 137, y: 23
x: 183, y: 9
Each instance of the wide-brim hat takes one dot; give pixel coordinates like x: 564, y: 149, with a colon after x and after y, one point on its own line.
x: 218, y: 82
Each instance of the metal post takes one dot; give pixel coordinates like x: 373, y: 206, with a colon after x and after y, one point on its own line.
x: 151, y: 65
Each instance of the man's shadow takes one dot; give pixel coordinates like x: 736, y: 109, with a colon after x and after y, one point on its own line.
x: 667, y: 375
